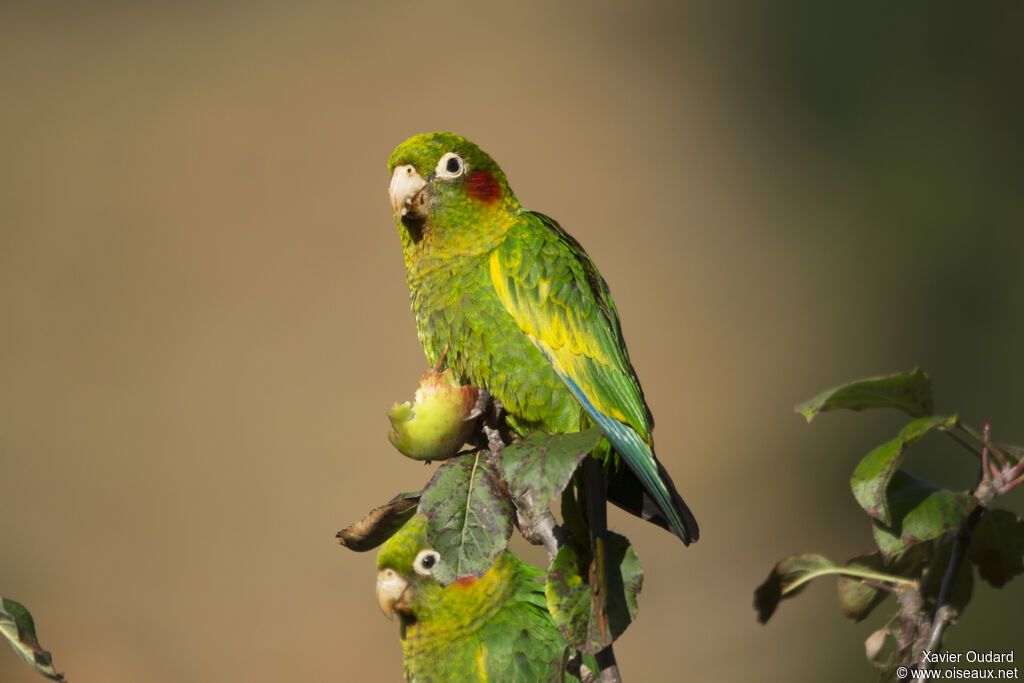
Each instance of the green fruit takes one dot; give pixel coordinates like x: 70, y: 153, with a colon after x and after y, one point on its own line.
x: 438, y: 422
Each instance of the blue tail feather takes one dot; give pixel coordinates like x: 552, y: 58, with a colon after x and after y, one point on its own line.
x: 641, y: 460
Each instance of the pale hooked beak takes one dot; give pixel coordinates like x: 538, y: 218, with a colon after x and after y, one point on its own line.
x: 390, y: 591
x: 406, y: 185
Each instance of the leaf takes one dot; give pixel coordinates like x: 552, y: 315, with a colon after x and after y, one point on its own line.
x: 470, y: 516
x: 908, y: 391
x: 997, y: 547
x: 921, y: 511
x: 871, y: 477
x: 856, y: 597
x: 380, y: 523
x: 883, y: 651
x: 17, y: 625
x: 571, y: 600
x: 788, y: 578
x: 873, y: 646
x: 541, y: 465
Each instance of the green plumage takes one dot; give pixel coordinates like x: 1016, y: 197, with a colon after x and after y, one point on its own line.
x: 522, y: 312
x: 494, y: 628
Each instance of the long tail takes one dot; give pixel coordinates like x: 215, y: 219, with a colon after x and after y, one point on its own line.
x: 639, y: 455
x: 656, y: 482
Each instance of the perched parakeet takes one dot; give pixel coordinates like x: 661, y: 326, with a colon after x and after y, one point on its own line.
x: 492, y: 628
x: 522, y: 311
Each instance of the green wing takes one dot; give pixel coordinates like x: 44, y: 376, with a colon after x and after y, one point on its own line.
x: 521, y: 643
x: 558, y: 299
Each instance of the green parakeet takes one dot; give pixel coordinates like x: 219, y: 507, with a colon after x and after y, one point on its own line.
x: 523, y: 312
x: 492, y: 628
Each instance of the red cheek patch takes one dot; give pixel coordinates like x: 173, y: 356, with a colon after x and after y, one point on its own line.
x: 465, y: 581
x: 482, y: 186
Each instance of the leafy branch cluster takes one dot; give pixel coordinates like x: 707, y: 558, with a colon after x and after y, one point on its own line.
x: 929, y: 539
x: 475, y: 499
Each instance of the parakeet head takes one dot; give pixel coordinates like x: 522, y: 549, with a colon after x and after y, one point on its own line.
x: 405, y: 567
x: 446, y: 188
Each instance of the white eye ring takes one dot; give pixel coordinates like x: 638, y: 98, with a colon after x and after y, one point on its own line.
x: 425, y: 562
x: 450, y: 166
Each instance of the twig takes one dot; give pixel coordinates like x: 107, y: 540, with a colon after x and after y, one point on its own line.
x: 1006, y: 449
x: 956, y: 437
x: 606, y: 663
x: 984, y: 460
x: 540, y: 524
x: 596, y: 496
x: 983, y: 438
x: 1015, y: 483
x: 944, y: 613
x: 943, y: 617
x: 999, y: 477
x: 956, y: 556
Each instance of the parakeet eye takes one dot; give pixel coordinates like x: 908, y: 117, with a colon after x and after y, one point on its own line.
x: 426, y: 561
x: 450, y: 166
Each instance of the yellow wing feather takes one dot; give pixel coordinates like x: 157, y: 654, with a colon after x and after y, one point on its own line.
x: 579, y: 335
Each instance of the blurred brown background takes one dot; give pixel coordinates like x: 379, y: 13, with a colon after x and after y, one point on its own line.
x: 203, y: 313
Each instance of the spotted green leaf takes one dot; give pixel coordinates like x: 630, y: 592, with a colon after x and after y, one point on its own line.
x: 908, y: 391
x: 571, y: 599
x: 920, y: 512
x: 542, y: 464
x: 470, y: 515
x: 871, y: 477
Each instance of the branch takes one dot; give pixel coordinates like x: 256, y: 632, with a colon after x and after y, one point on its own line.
x: 944, y: 613
x: 996, y: 480
x: 995, y: 450
x: 1016, y: 482
x: 538, y: 526
x: 609, y: 669
x: 943, y: 617
x: 956, y: 556
x: 953, y: 435
x: 596, y: 498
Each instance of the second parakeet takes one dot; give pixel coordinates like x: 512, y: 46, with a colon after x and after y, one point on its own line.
x: 492, y: 628
x: 523, y: 312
